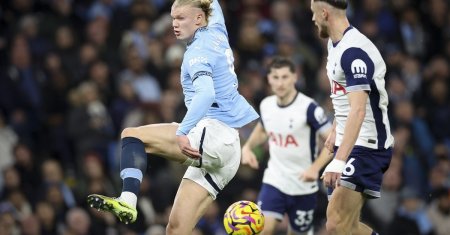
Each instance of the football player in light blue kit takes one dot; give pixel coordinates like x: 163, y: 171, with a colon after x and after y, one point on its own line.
x: 206, y: 140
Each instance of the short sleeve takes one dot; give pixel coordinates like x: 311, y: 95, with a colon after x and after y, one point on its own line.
x: 358, y: 69
x: 316, y: 117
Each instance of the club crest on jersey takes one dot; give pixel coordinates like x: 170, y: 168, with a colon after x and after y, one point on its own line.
x: 337, y: 88
x: 283, y: 140
x: 359, y: 69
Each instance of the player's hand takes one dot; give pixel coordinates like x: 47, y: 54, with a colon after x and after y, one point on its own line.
x: 329, y: 143
x: 185, y: 147
x: 309, y: 175
x: 249, y: 158
x: 332, y: 173
x: 331, y: 179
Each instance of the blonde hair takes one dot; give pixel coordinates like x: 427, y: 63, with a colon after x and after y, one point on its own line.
x: 205, y: 5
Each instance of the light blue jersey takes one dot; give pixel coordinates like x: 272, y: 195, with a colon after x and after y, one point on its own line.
x: 209, y: 81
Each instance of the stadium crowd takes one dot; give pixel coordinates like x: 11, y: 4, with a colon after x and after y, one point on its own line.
x: 74, y: 73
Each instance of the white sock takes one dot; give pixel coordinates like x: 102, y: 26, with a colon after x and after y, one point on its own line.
x: 129, y: 198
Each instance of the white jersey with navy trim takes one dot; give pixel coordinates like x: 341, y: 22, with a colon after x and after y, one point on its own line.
x: 355, y: 64
x: 293, y: 132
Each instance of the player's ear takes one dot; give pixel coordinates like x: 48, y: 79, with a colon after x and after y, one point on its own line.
x: 199, y: 18
x: 325, y: 14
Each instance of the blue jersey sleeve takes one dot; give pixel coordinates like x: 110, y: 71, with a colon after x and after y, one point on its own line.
x: 358, y: 69
x: 200, y: 103
x: 200, y: 72
x: 316, y: 117
x: 216, y: 18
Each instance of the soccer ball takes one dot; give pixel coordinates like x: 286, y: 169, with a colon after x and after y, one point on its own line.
x: 243, y: 218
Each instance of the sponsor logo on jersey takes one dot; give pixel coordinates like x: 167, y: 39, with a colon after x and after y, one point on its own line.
x: 359, y: 69
x: 283, y: 140
x: 198, y: 59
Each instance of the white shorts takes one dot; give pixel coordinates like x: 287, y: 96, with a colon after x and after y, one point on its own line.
x: 220, y: 158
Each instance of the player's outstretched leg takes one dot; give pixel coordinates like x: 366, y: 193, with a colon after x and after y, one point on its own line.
x: 133, y: 164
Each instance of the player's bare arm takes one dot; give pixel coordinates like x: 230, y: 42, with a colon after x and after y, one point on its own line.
x: 257, y: 137
x: 331, y: 138
x: 357, y: 101
x: 325, y: 156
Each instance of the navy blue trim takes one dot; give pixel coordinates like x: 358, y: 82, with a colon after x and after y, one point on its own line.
x: 194, y: 38
x: 374, y: 98
x: 200, y: 148
x: 201, y: 73
x: 211, y: 182
x: 345, y: 31
x: 312, y: 144
x: 287, y: 105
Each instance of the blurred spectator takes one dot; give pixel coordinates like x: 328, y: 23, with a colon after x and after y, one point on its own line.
x: 412, y: 32
x: 384, y: 208
x: 8, y: 220
x: 145, y: 85
x: 30, y: 28
x: 94, y: 172
x: 8, y: 139
x: 47, y: 218
x: 99, y: 74
x: 78, y: 222
x: 30, y: 226
x: 212, y: 221
x: 411, y: 217
x: 25, y: 163
x: 156, y: 230
x: 21, y: 206
x: 55, y: 190
x: 11, y: 182
x: 89, y: 124
x: 439, y: 211
x: 124, y: 103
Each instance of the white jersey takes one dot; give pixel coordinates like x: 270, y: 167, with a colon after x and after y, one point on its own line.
x: 292, y: 131
x: 355, y: 64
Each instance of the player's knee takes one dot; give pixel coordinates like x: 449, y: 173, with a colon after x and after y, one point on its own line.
x: 335, y: 226
x: 331, y: 226
x: 173, y: 228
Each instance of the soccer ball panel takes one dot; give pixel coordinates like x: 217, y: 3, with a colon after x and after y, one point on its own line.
x: 243, y: 218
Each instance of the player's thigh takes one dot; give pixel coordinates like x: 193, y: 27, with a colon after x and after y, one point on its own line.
x: 190, y: 204
x: 345, y: 205
x: 159, y: 139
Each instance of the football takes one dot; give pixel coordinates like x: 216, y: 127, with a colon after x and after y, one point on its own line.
x: 243, y: 218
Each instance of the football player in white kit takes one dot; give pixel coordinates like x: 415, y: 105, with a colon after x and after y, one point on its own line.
x: 361, y: 136
x: 291, y: 123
